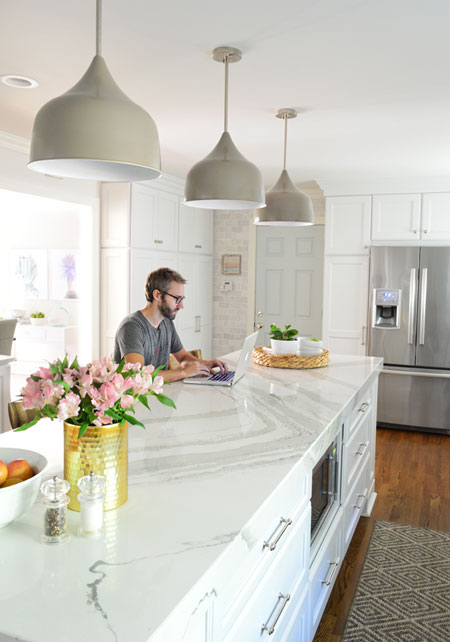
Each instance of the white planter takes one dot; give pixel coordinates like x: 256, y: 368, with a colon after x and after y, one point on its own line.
x: 38, y: 320
x: 308, y: 348
x: 284, y: 347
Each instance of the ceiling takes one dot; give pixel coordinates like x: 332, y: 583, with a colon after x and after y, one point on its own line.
x: 369, y: 77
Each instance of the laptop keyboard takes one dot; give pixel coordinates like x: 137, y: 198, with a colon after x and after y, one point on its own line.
x: 225, y: 376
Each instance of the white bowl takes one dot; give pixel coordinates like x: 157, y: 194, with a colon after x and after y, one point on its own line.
x: 38, y: 320
x: 16, y: 500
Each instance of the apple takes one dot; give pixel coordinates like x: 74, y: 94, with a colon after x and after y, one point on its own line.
x: 11, y: 481
x: 3, y: 472
x: 19, y: 468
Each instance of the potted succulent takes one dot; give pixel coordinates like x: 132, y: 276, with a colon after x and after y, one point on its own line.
x: 283, y: 341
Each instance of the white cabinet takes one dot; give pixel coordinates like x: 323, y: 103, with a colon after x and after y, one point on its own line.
x: 36, y: 345
x: 142, y: 263
x: 195, y: 319
x: 347, y: 226
x: 195, y: 230
x: 114, y: 299
x: 435, y: 223
x: 154, y: 218
x: 396, y: 217
x: 346, y: 286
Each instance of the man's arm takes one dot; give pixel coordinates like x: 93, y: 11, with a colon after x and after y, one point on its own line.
x: 184, y: 357
x: 189, y: 366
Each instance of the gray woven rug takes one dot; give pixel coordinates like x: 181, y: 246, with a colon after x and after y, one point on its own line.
x: 403, y: 593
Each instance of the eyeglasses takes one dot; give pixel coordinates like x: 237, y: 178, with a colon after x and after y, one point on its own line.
x: 178, y: 299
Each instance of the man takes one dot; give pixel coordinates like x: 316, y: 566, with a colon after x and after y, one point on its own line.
x: 148, y: 336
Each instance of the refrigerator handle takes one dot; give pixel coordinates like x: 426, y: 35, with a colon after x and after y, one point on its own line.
x: 412, y: 303
x: 423, y: 305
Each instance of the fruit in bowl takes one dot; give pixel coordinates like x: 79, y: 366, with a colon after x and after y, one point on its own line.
x: 37, y: 318
x: 19, y: 490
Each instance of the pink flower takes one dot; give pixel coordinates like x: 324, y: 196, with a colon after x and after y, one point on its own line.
x: 157, y: 386
x: 126, y: 401
x: 44, y: 373
x: 102, y: 419
x: 32, y: 396
x: 68, y: 406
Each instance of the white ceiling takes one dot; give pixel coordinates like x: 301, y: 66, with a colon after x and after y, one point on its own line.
x: 370, y: 77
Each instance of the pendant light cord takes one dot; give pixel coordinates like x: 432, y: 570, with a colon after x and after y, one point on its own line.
x: 225, y: 120
x: 285, y: 139
x: 98, y: 33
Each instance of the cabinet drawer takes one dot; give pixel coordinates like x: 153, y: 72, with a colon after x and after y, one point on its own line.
x: 30, y: 333
x: 361, y: 406
x: 324, y: 572
x: 354, y: 453
x: 265, y: 537
x: 264, y: 609
x: 297, y: 629
x: 354, y: 504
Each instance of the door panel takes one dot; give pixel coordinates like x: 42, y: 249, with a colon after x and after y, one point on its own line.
x: 433, y: 346
x: 391, y: 268
x: 289, y: 279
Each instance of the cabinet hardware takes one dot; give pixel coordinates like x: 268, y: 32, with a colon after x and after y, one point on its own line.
x: 363, y: 336
x: 331, y: 572
x: 197, y: 324
x: 259, y: 326
x: 281, y: 598
x: 363, y: 407
x: 414, y: 231
x: 260, y: 313
x: 158, y: 241
x: 283, y: 522
x: 361, y: 449
x: 425, y: 231
x: 360, y: 502
x: 199, y: 246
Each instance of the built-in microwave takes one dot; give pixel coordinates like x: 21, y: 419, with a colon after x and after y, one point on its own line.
x: 325, y: 495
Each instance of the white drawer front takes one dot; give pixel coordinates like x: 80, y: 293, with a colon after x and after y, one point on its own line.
x: 354, y: 504
x: 263, y: 539
x: 324, y: 572
x: 361, y: 407
x: 265, y: 607
x: 297, y: 629
x: 354, y: 454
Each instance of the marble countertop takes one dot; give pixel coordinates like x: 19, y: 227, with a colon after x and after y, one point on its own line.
x: 196, y: 477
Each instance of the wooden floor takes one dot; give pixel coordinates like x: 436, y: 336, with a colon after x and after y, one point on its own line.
x: 412, y: 479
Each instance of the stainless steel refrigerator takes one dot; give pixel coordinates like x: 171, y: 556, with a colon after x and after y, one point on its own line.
x: 409, y: 320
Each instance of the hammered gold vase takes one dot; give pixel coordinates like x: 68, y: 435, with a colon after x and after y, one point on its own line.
x: 102, y: 450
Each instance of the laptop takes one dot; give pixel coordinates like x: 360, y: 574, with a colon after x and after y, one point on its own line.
x: 231, y: 377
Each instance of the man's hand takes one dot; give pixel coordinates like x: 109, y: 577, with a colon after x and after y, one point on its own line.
x: 193, y: 368
x: 216, y: 363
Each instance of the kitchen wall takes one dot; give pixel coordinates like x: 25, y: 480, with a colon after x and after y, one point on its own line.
x: 232, y: 235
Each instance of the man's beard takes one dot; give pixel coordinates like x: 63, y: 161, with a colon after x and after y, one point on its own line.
x: 166, y: 312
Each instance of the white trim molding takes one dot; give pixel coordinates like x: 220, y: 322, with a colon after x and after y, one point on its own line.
x: 15, y: 143
x: 406, y: 185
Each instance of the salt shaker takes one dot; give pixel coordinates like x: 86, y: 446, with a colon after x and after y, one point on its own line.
x: 55, y: 501
x: 91, y: 501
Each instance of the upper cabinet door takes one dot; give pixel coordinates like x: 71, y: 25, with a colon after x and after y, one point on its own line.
x: 205, y: 223
x: 347, y: 227
x: 165, y: 222
x: 143, y: 207
x: 115, y: 215
x: 195, y: 230
x: 435, y: 217
x: 154, y: 219
x: 187, y: 228
x: 396, y: 217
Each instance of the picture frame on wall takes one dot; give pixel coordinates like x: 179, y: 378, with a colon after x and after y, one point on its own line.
x: 28, y: 274
x: 231, y: 264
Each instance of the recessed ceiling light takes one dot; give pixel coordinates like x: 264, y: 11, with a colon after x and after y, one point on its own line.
x: 20, y: 82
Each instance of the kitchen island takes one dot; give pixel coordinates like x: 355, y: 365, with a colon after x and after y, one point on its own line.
x: 184, y: 558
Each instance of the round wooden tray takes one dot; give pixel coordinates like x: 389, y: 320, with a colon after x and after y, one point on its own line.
x: 290, y: 360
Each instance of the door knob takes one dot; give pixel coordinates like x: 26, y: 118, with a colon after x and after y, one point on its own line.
x: 259, y: 325
x: 260, y: 313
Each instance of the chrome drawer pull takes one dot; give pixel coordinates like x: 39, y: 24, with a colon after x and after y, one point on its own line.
x: 271, y: 629
x: 361, y: 449
x: 272, y: 546
x: 359, y: 504
x: 363, y: 407
x: 331, y: 571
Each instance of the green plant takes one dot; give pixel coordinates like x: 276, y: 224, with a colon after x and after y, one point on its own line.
x: 278, y: 334
x: 314, y: 339
x: 37, y: 315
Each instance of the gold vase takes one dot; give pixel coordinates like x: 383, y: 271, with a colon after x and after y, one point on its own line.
x: 102, y: 450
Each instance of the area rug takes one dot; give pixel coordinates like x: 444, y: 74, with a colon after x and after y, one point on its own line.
x: 403, y: 593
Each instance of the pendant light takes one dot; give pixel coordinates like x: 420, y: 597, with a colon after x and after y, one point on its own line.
x: 225, y: 180
x: 95, y: 131
x: 286, y: 204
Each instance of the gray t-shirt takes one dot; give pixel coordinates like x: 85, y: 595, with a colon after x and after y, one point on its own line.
x: 136, y: 334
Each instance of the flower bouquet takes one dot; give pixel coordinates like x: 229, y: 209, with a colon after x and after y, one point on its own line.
x: 100, y: 393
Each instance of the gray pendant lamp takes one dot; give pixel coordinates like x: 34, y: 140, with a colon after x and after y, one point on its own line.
x: 95, y: 131
x: 286, y: 204
x: 225, y: 180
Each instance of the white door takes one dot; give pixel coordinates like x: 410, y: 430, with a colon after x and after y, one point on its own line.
x: 396, y: 217
x: 289, y: 279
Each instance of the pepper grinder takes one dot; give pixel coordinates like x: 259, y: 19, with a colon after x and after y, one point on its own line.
x: 55, y: 501
x: 91, y: 501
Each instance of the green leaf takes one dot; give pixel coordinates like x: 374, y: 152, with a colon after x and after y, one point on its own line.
x: 116, y: 416
x: 165, y: 400
x: 65, y: 362
x: 83, y: 429
x: 144, y: 401
x: 75, y: 364
x: 29, y: 424
x: 121, y: 365
x: 133, y: 420
x: 54, y: 369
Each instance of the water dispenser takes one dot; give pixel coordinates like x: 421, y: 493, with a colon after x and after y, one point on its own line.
x: 386, y: 308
